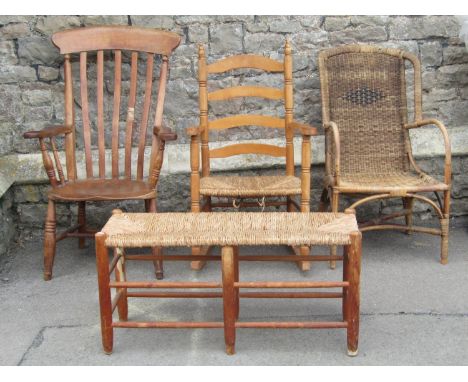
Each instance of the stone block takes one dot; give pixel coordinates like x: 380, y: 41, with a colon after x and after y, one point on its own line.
x: 285, y: 25
x: 310, y: 22
x: 105, y: 20
x: 15, y: 30
x: 263, y: 43
x: 48, y: 25
x: 38, y: 50
x: 7, y: 53
x: 455, y: 55
x: 47, y: 73
x: 336, y: 23
x: 226, y: 39
x: 36, y: 97
x: 4, y: 20
x: 359, y: 34
x: 370, y: 20
x: 257, y: 25
x: 160, y: 22
x: 6, y: 137
x: 421, y: 27
x: 198, y: 33
x: 431, y: 53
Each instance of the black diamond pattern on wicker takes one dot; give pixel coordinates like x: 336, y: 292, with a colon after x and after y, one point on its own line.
x: 363, y: 96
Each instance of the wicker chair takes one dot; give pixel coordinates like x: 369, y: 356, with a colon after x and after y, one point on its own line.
x: 99, y: 48
x: 238, y: 188
x: 368, y: 148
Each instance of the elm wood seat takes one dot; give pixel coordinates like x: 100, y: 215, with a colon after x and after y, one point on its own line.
x: 206, y: 186
x: 228, y: 230
x: 368, y: 147
x: 103, y: 53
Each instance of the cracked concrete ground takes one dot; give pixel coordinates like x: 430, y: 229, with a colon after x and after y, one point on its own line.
x: 414, y: 311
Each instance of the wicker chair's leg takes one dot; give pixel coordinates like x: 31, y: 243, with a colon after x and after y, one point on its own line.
x: 158, y: 264
x: 408, y: 205
x: 49, y: 240
x: 334, y: 203
x: 444, y: 224
x: 229, y: 298
x: 81, y: 223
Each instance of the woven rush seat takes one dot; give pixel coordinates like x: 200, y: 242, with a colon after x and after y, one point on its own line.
x: 228, y: 228
x: 103, y: 189
x: 390, y: 182
x: 250, y: 186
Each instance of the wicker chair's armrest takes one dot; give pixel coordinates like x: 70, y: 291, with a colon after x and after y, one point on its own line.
x: 445, y: 136
x: 193, y: 131
x: 48, y: 132
x: 303, y: 128
x: 165, y: 133
x: 332, y: 126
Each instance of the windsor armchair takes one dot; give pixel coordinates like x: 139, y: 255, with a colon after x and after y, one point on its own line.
x: 239, y: 187
x: 95, y: 47
x: 368, y: 147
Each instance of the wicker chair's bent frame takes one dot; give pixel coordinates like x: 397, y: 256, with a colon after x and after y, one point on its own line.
x: 103, y: 42
x: 335, y: 155
x: 201, y: 200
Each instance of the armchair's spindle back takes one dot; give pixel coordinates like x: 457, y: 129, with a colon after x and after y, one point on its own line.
x: 110, y: 44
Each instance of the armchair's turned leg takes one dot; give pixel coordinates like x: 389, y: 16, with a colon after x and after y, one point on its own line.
x: 408, y: 205
x: 81, y: 223
x: 334, y: 203
x: 352, y: 262
x: 105, y: 301
x: 120, y: 275
x: 229, y: 298
x: 49, y: 240
x: 158, y: 264
x: 444, y: 225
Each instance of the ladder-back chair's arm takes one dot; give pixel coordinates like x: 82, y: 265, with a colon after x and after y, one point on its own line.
x: 445, y: 136
x: 165, y: 133
x: 305, y: 130
x: 192, y: 131
x: 332, y: 126
x: 54, y: 172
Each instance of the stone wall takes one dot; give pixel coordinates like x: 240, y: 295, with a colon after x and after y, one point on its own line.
x: 31, y: 85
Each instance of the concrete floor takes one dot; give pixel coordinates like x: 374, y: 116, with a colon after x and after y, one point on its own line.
x: 414, y: 311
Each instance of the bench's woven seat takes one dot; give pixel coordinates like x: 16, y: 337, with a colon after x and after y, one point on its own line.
x: 228, y: 228
x: 250, y: 186
x: 390, y: 182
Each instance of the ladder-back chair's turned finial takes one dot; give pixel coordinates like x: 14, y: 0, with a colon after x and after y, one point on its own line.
x: 204, y: 186
x: 368, y: 147
x: 133, y: 177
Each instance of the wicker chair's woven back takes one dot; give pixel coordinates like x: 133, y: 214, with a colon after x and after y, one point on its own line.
x: 366, y: 93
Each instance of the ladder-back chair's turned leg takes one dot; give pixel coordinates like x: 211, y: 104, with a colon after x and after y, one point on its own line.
x: 324, y: 201
x: 229, y: 298
x: 120, y: 275
x: 236, y: 279
x: 49, y: 240
x: 444, y: 225
x: 158, y: 264
x: 408, y: 205
x: 352, y: 262
x: 81, y: 223
x: 105, y: 301
x: 334, y: 204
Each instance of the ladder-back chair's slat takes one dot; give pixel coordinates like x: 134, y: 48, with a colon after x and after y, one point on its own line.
x: 144, y: 118
x: 288, y: 106
x: 69, y: 120
x: 157, y: 144
x: 246, y: 120
x: 248, y: 148
x: 246, y: 61
x: 100, y: 114
x: 85, y: 112
x: 203, y: 104
x: 131, y: 115
x: 246, y: 91
x: 116, y: 112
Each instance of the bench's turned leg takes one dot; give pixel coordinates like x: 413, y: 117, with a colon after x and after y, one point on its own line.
x: 352, y: 262
x: 236, y: 279
x: 229, y: 298
x: 335, y: 205
x: 120, y: 275
x: 105, y: 301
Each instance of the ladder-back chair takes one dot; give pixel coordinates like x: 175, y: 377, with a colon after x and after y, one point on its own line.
x: 368, y: 147
x: 285, y: 185
x: 105, y: 177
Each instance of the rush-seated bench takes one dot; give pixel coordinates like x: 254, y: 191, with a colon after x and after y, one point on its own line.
x: 228, y: 230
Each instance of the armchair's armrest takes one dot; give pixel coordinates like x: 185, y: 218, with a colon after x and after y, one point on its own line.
x: 303, y: 128
x: 193, y: 131
x: 165, y: 133
x: 48, y: 132
x: 445, y: 136
x: 332, y: 126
